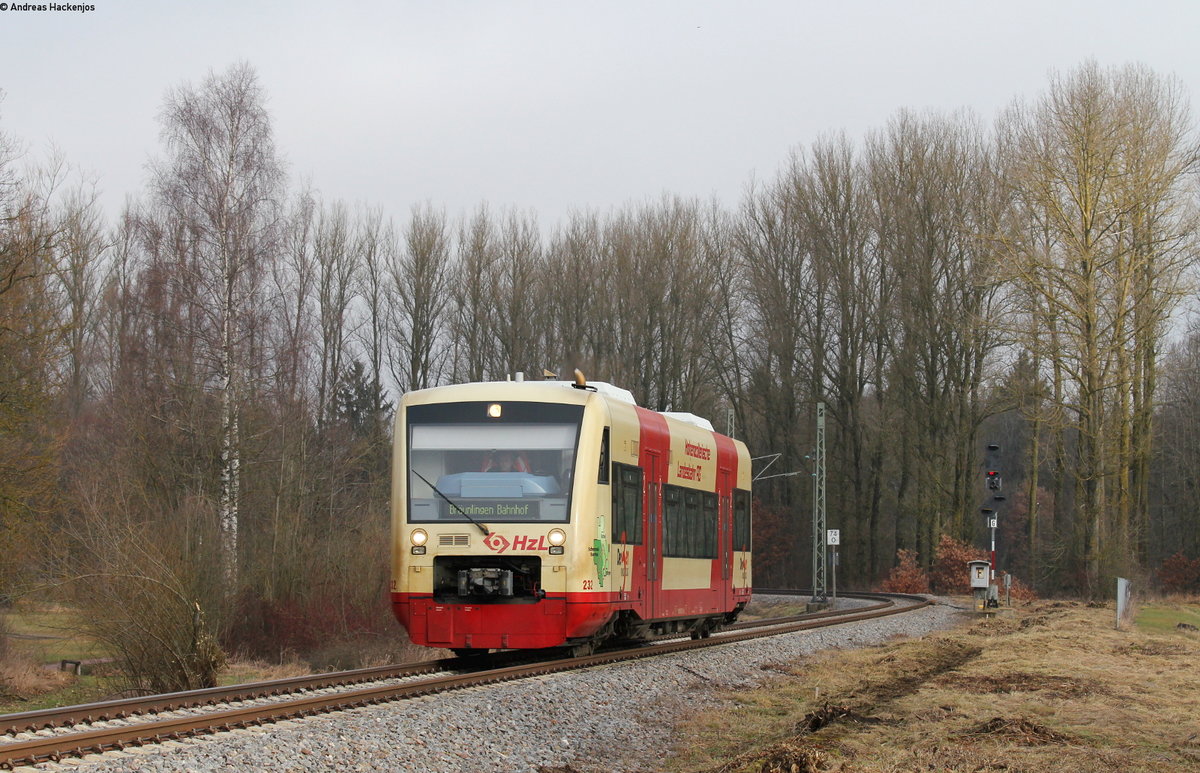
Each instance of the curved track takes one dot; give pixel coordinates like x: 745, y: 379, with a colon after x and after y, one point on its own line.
x: 402, y: 683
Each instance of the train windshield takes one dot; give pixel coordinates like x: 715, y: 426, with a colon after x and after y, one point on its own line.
x: 497, y: 462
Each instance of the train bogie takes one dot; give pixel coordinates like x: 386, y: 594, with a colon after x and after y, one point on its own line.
x: 537, y: 514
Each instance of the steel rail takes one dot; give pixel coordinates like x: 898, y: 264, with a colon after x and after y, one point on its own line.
x: 54, y: 748
x: 122, y: 708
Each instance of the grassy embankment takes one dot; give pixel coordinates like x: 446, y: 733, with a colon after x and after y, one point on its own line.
x: 1049, y: 686
x: 35, y: 638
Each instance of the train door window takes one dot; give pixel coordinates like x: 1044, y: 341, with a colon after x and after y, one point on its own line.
x: 674, y: 525
x: 693, y: 529
x: 627, y: 504
x: 709, y: 525
x: 741, y: 520
x: 603, y: 476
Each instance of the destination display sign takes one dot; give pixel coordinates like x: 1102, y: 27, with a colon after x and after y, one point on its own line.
x: 494, y: 509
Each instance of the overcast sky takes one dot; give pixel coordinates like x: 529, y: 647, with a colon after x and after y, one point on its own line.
x: 550, y: 105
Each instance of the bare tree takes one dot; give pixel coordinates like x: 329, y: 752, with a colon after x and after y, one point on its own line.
x: 660, y: 304
x: 473, y: 288
x: 773, y: 248
x: 220, y: 180
x: 375, y: 243
x: 934, y: 196
x: 336, y: 281
x: 516, y: 307
x: 573, y: 283
x: 29, y: 349
x: 1104, y: 165
x: 852, y: 343
x: 731, y: 342
x: 420, y: 276
x: 81, y: 242
x: 295, y: 276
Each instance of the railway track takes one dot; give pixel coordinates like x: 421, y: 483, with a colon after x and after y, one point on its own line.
x: 55, y: 734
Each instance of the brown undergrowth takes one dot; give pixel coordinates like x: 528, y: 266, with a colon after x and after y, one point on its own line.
x: 1049, y: 686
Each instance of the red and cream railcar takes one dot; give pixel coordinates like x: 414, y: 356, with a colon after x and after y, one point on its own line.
x: 544, y: 514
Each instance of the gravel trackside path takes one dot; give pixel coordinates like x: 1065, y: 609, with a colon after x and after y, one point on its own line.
x: 618, y: 717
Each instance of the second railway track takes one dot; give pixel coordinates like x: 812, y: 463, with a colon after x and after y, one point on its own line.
x: 55, y: 734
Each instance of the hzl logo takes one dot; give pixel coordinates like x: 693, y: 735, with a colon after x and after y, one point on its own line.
x: 499, y: 544
x: 496, y: 542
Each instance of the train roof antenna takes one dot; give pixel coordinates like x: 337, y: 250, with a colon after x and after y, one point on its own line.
x: 581, y: 382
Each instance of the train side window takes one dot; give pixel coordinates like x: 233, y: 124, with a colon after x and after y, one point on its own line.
x: 627, y: 504
x: 603, y: 476
x: 741, y: 520
x: 710, y: 525
x: 674, y: 526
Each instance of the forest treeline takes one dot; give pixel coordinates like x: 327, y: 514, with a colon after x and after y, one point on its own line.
x: 199, y: 394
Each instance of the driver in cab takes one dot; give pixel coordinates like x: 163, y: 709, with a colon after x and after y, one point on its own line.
x: 506, y: 461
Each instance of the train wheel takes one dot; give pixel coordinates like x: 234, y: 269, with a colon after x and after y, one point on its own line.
x: 583, y: 650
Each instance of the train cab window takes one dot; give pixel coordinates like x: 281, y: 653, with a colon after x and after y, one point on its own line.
x: 493, y: 462
x: 741, y: 520
x: 627, y: 504
x: 603, y: 476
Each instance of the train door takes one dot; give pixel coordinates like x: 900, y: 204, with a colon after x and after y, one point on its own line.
x: 655, y: 469
x: 629, y: 541
x: 725, y: 534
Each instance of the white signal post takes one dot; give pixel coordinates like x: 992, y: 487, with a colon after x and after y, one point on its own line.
x: 833, y: 538
x: 993, y: 483
x: 992, y: 523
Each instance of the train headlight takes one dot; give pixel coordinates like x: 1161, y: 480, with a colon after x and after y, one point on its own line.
x: 419, y: 537
x: 557, y: 537
x: 494, y: 410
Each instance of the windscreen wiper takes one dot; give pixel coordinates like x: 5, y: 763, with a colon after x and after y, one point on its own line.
x: 452, y: 503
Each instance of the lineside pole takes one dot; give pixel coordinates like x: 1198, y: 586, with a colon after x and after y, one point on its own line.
x: 820, y: 592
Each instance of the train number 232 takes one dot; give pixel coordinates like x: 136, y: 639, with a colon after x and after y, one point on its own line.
x: 587, y: 584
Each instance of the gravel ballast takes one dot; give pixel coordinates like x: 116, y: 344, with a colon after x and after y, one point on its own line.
x: 619, y: 717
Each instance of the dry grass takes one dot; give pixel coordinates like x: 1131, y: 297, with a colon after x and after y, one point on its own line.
x: 774, y: 606
x: 244, y: 671
x: 1051, y: 686
x: 22, y: 679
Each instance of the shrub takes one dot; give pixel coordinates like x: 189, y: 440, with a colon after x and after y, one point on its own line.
x: 1019, y: 590
x: 907, y: 577
x: 273, y: 630
x: 149, y: 604
x: 949, y: 571
x: 1179, y: 575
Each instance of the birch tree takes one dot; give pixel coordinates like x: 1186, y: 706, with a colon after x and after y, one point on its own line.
x: 220, y: 181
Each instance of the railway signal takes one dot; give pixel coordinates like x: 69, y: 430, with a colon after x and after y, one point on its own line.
x: 992, y: 467
x: 991, y: 474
